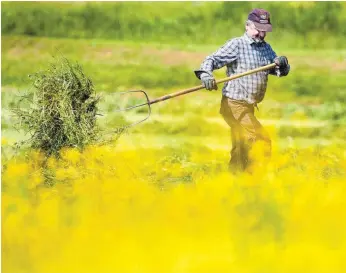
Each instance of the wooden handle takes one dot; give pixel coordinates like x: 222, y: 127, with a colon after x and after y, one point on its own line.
x: 199, y: 87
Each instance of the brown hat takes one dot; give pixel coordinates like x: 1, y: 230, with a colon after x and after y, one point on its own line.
x: 261, y: 19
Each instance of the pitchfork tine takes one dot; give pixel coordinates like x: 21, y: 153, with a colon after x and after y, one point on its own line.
x: 136, y: 106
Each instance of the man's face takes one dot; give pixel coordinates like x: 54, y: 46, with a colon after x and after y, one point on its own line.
x: 256, y: 34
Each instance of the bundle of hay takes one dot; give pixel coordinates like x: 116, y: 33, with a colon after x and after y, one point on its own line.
x: 63, y: 109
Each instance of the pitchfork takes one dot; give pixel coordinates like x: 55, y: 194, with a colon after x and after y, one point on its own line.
x: 183, y: 92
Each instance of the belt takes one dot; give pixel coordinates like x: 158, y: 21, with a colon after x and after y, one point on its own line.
x: 244, y: 101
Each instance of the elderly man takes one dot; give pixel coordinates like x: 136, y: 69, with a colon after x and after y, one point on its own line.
x: 240, y: 96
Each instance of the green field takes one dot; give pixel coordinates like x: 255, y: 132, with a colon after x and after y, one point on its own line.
x: 307, y: 103
x: 159, y: 198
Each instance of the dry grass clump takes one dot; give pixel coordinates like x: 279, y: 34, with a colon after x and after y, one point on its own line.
x: 62, y: 110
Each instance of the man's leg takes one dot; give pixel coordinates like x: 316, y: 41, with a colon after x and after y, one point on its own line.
x: 258, y: 141
x: 246, y: 131
x: 237, y: 161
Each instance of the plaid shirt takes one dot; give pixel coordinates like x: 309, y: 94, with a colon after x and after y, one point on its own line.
x: 240, y: 55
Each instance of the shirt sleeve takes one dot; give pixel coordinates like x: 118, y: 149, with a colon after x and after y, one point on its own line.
x: 272, y: 56
x: 226, y: 54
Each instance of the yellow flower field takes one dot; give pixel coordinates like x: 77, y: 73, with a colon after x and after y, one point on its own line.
x: 122, y: 211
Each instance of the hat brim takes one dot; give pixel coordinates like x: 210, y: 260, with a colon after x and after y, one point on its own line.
x: 263, y: 27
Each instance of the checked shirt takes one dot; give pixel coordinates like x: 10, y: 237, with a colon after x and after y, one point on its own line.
x: 240, y: 55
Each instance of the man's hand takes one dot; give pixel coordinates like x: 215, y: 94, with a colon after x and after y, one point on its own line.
x: 208, y: 81
x: 282, y: 67
x: 281, y: 62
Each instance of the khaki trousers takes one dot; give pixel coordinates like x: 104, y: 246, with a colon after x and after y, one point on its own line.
x: 246, y: 131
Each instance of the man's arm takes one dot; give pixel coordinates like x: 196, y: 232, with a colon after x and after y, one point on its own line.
x: 226, y: 54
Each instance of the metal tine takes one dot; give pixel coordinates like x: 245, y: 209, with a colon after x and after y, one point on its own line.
x: 138, y: 122
x: 135, y: 106
x: 138, y: 105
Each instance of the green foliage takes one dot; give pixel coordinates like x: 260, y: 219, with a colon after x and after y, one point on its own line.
x: 62, y: 109
x: 313, y: 24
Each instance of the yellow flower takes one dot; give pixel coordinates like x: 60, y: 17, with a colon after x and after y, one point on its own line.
x: 3, y: 141
x: 72, y: 156
x: 17, y: 169
x: 35, y: 179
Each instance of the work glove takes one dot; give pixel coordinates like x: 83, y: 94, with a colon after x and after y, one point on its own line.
x: 282, y: 65
x: 208, y: 81
x: 281, y: 61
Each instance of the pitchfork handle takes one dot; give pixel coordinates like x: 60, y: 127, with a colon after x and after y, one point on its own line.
x: 199, y: 87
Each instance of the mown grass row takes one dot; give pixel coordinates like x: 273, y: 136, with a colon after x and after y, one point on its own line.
x: 316, y: 75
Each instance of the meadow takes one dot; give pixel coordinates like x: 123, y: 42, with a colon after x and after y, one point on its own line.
x: 160, y: 198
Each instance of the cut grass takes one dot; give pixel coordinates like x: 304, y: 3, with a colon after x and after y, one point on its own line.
x: 61, y: 112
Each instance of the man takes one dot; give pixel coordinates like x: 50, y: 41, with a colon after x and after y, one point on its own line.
x: 240, y: 96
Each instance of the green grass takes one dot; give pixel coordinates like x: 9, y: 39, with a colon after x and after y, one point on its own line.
x: 122, y: 65
x: 308, y: 104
